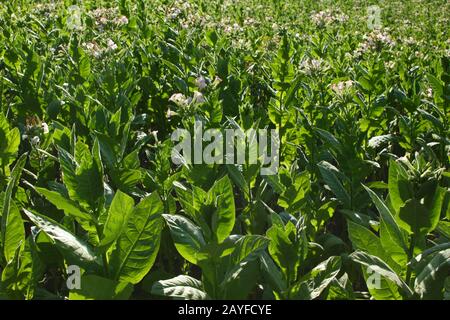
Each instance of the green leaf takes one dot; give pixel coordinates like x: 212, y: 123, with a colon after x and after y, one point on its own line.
x: 391, y: 225
x: 416, y: 219
x: 272, y: 273
x: 283, y: 251
x: 9, y: 143
x: 381, y: 268
x: 84, y: 66
x: 187, y: 237
x: 315, y: 282
x: 328, y: 173
x: 83, y: 175
x: 400, y: 189
x: 138, y: 245
x: 180, y: 287
x: 118, y: 213
x: 94, y: 287
x: 6, y: 205
x: 61, y: 202
x: 14, y: 233
x: 329, y: 139
x: 430, y: 281
x: 275, y: 182
x: 241, y: 275
x: 75, y: 250
x: 365, y: 240
x: 444, y: 229
x: 224, y: 216
x: 238, y: 179
x: 391, y: 247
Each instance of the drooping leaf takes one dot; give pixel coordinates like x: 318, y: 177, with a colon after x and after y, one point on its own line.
x: 181, y: 287
x: 400, y: 189
x: 75, y: 250
x: 429, y: 283
x: 187, y: 237
x: 328, y: 173
x: 391, y: 225
x: 315, y: 282
x: 68, y: 206
x: 241, y: 275
x: 381, y: 268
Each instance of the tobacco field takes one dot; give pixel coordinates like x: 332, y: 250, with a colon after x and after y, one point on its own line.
x: 92, y: 205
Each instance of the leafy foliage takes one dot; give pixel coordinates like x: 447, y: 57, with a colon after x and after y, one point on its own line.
x: 89, y: 98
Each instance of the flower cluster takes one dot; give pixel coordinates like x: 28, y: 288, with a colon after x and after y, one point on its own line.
x: 343, y: 88
x: 46, y: 10
x: 183, y: 102
x: 313, y: 67
x: 95, y: 50
x: 34, y: 129
x: 105, y: 16
x: 327, y: 17
x: 375, y: 41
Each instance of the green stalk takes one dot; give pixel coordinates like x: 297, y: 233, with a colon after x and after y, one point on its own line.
x: 410, y: 256
x: 104, y: 258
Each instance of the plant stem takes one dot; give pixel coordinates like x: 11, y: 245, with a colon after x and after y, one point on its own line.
x: 410, y: 256
x: 104, y: 258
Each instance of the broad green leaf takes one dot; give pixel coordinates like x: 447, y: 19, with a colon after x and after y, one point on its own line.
x: 272, y: 273
x: 9, y: 143
x: 391, y: 247
x: 83, y: 175
x: 118, y: 213
x: 14, y: 233
x: 400, y: 189
x: 75, y: 250
x: 242, y: 272
x: 429, y: 283
x: 315, y: 282
x: 61, y: 202
x: 391, y: 225
x: 238, y: 178
x: 341, y: 289
x: 379, y: 287
x: 137, y: 247
x: 224, y: 216
x: 328, y: 173
x: 415, y: 217
x: 191, y: 201
x: 6, y: 203
x: 444, y: 229
x: 283, y: 251
x: 365, y: 240
x: 330, y: 140
x: 181, y: 287
x: 187, y: 237
x: 275, y: 182
x: 94, y: 287
x: 380, y: 267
